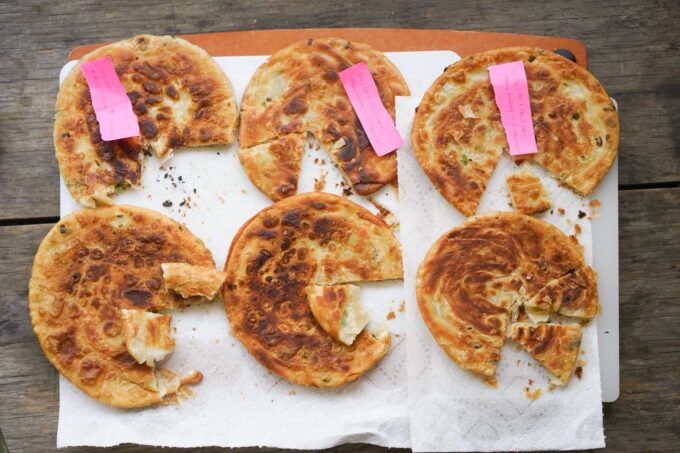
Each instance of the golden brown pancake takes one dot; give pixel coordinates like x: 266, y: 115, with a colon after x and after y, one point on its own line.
x: 475, y: 275
x: 555, y: 346
x: 527, y: 193
x: 90, y: 266
x: 192, y: 281
x: 298, y: 91
x: 181, y: 98
x: 308, y: 239
x: 458, y: 137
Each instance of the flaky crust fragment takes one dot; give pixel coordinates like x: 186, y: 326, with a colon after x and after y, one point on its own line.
x: 189, y: 281
x: 309, y: 239
x: 527, y: 193
x: 298, y: 91
x: 90, y: 266
x: 555, y: 346
x: 181, y: 98
x: 475, y: 275
x: 458, y: 137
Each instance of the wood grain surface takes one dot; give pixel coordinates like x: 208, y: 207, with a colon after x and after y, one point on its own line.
x: 634, y: 49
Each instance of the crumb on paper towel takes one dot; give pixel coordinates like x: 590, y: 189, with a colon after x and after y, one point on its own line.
x: 595, y: 204
x: 390, y: 315
x: 551, y: 387
x: 320, y: 182
x: 577, y: 228
x: 532, y: 394
x: 402, y: 306
x: 579, y: 368
x: 560, y: 211
x: 292, y: 392
x: 243, y: 191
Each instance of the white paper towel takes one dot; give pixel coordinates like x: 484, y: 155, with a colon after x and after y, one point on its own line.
x: 239, y: 403
x: 451, y: 409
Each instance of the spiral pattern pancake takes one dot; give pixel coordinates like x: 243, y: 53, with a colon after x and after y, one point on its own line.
x: 476, y: 274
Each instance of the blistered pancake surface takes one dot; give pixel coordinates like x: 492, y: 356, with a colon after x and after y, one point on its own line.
x: 555, y: 346
x: 181, y: 98
x: 91, y: 266
x: 476, y: 274
x: 458, y: 137
x: 307, y: 239
x: 298, y: 91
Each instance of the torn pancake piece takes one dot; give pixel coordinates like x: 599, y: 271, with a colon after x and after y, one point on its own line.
x: 527, y: 193
x: 555, y: 346
x: 573, y: 294
x: 190, y: 281
x: 338, y: 310
x: 147, y: 336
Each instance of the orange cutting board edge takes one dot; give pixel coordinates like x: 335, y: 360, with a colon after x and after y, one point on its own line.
x: 464, y: 43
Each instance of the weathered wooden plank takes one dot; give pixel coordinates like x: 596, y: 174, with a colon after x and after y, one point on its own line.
x: 645, y: 418
x: 633, y: 49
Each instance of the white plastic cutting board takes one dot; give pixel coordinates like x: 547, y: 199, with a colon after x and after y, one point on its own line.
x: 205, y: 171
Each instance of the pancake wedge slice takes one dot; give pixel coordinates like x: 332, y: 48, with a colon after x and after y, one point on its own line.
x: 555, y: 346
x: 573, y: 294
x: 147, y: 336
x: 338, y: 311
x: 527, y: 193
x: 192, y: 281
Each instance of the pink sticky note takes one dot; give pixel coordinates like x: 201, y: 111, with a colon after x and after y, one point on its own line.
x: 112, y: 107
x: 376, y: 121
x: 512, y: 98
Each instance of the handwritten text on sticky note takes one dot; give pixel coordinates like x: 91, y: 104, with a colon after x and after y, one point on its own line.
x: 374, y: 118
x: 112, y: 107
x: 511, y: 90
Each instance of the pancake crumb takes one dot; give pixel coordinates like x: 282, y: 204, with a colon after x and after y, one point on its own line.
x: 391, y: 315
x: 532, y: 394
x: 167, y: 203
x: 292, y: 392
x: 551, y: 387
x: 577, y: 229
x: 402, y: 306
x: 560, y: 211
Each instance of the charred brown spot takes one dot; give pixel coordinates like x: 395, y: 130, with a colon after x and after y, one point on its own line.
x: 172, y: 92
x: 291, y: 218
x: 295, y: 106
x: 125, y: 359
x: 153, y: 284
x: 139, y: 298
x: 152, y: 100
x: 348, y: 151
x: 151, y: 87
x: 64, y: 345
x: 149, y: 129
x: 205, y: 134
x: 90, y: 369
x: 111, y: 328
